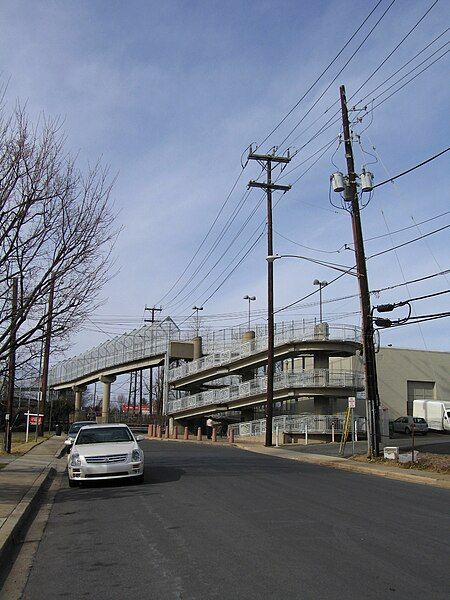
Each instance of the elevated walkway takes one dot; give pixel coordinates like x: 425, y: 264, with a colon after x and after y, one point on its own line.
x: 291, y: 340
x: 316, y: 382
x: 139, y: 349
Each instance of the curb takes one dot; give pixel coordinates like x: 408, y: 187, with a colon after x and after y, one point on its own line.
x: 192, y: 441
x: 11, y: 529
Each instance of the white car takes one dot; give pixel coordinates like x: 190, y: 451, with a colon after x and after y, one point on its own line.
x: 105, y: 452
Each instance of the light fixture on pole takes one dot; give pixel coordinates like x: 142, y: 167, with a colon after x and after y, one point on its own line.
x: 250, y: 299
x: 321, y: 285
x: 197, y: 308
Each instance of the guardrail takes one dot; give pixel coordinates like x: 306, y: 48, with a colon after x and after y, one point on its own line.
x: 292, y: 332
x: 315, y: 378
x: 314, y: 424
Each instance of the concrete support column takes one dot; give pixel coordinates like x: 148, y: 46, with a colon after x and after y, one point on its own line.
x: 78, y: 389
x: 198, y: 349
x: 107, y: 380
x: 321, y: 360
x: 248, y: 374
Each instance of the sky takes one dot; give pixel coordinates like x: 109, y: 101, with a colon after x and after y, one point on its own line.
x: 171, y: 94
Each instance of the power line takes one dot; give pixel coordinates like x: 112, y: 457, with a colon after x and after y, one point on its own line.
x: 333, y: 120
x: 321, y: 75
x: 413, y: 168
x: 339, y: 72
x: 408, y: 242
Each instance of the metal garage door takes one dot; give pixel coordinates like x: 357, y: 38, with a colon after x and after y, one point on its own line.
x: 419, y: 390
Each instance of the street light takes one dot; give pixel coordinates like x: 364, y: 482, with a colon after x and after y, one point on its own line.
x: 321, y: 285
x: 335, y: 266
x: 250, y: 299
x: 197, y: 308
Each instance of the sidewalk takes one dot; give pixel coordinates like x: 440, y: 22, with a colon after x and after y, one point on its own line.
x: 20, y: 483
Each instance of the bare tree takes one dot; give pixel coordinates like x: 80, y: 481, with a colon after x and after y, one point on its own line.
x: 55, y: 221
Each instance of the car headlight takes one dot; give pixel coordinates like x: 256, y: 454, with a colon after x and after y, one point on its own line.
x: 75, y: 460
x: 136, y: 456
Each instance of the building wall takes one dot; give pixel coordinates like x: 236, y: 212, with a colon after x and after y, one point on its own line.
x: 398, y: 366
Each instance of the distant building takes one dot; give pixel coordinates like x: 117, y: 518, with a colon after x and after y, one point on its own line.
x: 405, y: 375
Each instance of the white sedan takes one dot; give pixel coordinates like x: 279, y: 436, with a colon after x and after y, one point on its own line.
x: 105, y: 452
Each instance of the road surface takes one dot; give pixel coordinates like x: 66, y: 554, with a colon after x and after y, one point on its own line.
x: 216, y: 522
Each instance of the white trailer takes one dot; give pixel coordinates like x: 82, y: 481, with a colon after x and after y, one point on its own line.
x: 435, y: 413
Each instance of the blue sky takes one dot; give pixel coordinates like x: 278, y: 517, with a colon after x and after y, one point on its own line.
x: 170, y: 94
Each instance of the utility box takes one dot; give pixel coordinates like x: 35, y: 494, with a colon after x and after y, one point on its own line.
x: 407, y: 457
x: 391, y: 452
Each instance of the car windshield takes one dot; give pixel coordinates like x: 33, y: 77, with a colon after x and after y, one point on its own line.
x: 104, y: 435
x: 75, y: 427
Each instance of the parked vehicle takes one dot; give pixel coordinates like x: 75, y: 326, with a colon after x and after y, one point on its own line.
x: 105, y: 452
x: 74, y: 429
x: 435, y: 412
x: 407, y: 424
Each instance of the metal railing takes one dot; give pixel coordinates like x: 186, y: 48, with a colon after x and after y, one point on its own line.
x: 314, y: 424
x: 135, y: 345
x: 315, y: 378
x: 284, y: 333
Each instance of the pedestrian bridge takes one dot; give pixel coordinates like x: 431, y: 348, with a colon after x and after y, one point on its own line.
x: 216, y: 355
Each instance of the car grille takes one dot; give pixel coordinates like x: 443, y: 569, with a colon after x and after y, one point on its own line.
x: 118, y: 474
x: 107, y: 459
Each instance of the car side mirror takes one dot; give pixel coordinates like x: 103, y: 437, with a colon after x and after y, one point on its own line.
x: 139, y: 438
x: 68, y: 442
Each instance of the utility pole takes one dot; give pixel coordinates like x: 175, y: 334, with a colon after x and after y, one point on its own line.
x: 266, y: 160
x: 46, y: 360
x: 153, y: 309
x: 11, y: 369
x: 351, y: 195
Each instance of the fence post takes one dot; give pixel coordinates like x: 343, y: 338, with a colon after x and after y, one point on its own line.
x: 199, y: 434
x: 175, y: 432
x: 158, y: 431
x: 356, y: 430
x: 276, y: 436
x: 214, y: 434
x: 186, y: 433
x: 232, y: 436
x: 167, y: 432
x: 306, y: 434
x: 332, y: 432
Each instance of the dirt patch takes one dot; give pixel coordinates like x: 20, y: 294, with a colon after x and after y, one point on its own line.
x: 437, y: 463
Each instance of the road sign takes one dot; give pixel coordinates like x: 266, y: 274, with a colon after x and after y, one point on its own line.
x: 352, y: 402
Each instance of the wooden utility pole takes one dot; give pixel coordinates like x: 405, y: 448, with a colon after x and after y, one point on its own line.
x: 11, y: 369
x: 46, y: 359
x: 266, y: 161
x: 153, y: 309
x: 351, y: 195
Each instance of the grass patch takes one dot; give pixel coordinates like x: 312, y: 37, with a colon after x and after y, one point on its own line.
x: 20, y: 447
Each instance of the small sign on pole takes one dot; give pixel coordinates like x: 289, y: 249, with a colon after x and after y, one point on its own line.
x: 352, y: 402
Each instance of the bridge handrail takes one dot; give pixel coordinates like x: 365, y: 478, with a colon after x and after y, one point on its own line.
x: 323, y: 424
x: 297, y: 333
x: 313, y: 378
x: 140, y: 343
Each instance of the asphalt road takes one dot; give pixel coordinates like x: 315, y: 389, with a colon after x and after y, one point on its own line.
x: 216, y: 522
x: 435, y: 443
